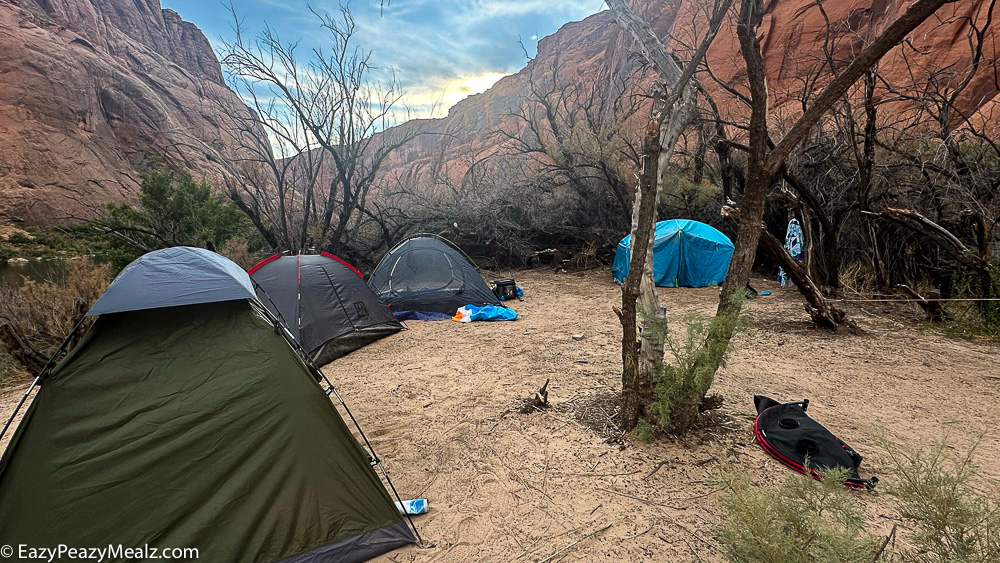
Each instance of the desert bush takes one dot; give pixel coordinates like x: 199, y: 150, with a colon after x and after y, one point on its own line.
x: 174, y: 210
x: 803, y: 520
x: 18, y: 238
x: 42, y: 314
x: 944, y: 517
x: 9, y: 367
x: 975, y: 318
x: 681, y: 386
x: 644, y: 431
x: 948, y: 518
x: 238, y: 250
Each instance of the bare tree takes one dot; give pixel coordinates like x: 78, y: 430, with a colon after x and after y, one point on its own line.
x: 575, y: 134
x: 764, y: 162
x: 674, y: 109
x: 308, y: 157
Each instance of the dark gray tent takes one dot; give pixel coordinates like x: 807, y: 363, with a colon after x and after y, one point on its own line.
x: 325, y: 303
x: 427, y: 274
x: 184, y: 419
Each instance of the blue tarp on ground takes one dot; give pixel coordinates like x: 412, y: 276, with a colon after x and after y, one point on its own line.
x: 470, y: 313
x: 685, y: 253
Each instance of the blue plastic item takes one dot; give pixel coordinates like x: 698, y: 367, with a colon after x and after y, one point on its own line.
x: 686, y: 253
x: 471, y: 313
x: 413, y: 506
x: 518, y: 290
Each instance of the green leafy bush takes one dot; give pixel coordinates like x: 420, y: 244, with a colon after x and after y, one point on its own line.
x: 174, y: 210
x: 644, y: 431
x: 681, y: 386
x: 18, y: 238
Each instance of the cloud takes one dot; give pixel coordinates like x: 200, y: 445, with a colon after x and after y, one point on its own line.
x: 434, y: 98
x: 439, y: 51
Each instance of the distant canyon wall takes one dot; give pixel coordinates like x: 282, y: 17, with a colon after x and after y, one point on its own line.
x: 89, y: 89
x: 794, y: 33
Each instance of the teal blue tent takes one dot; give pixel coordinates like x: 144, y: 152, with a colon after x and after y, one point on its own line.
x: 685, y: 253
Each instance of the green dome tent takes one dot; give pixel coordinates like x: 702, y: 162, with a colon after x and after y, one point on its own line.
x: 183, y: 419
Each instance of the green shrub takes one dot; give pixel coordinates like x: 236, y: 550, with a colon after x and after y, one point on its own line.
x: 681, y: 386
x: 803, y: 520
x: 975, y: 318
x: 644, y: 431
x: 949, y: 519
x: 944, y: 518
x: 174, y: 210
x: 19, y: 238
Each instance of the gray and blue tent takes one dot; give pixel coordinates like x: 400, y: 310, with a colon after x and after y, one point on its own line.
x: 325, y: 303
x: 428, y: 275
x: 185, y: 418
x: 685, y: 254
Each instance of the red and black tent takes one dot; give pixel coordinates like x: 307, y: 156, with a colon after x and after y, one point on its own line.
x: 325, y: 302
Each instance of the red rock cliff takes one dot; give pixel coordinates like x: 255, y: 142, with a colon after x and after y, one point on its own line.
x: 794, y: 32
x: 91, y: 87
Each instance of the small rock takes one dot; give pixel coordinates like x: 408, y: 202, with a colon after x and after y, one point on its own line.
x: 578, y: 337
x: 18, y: 261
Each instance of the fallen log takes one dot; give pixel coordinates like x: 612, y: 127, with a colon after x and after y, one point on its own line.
x: 932, y: 306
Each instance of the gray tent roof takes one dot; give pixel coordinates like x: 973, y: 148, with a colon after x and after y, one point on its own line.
x: 174, y: 276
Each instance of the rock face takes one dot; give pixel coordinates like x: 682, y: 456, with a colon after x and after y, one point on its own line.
x: 794, y: 32
x: 91, y: 88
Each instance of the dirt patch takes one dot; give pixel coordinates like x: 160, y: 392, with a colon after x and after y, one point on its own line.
x: 520, y: 487
x: 440, y: 404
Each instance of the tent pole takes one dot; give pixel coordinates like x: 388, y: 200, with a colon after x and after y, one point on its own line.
x: 45, y: 369
x: 279, y: 322
x: 375, y: 459
x: 19, y: 405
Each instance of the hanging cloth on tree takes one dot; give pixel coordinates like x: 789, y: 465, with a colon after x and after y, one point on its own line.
x: 793, y: 244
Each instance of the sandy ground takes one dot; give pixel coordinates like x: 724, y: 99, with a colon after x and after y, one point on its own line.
x: 440, y: 403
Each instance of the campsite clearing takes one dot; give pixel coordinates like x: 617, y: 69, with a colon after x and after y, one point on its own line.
x: 441, y: 402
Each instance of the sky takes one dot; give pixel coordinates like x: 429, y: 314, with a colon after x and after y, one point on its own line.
x: 440, y: 51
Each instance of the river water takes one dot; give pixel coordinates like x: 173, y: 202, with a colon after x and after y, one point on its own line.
x: 38, y: 270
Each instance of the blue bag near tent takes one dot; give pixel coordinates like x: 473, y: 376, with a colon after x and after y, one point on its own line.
x: 686, y: 253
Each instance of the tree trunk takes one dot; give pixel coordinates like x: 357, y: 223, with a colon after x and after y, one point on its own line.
x: 822, y: 311
x: 636, y: 392
x: 758, y: 178
x: 672, y: 113
x: 762, y: 165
